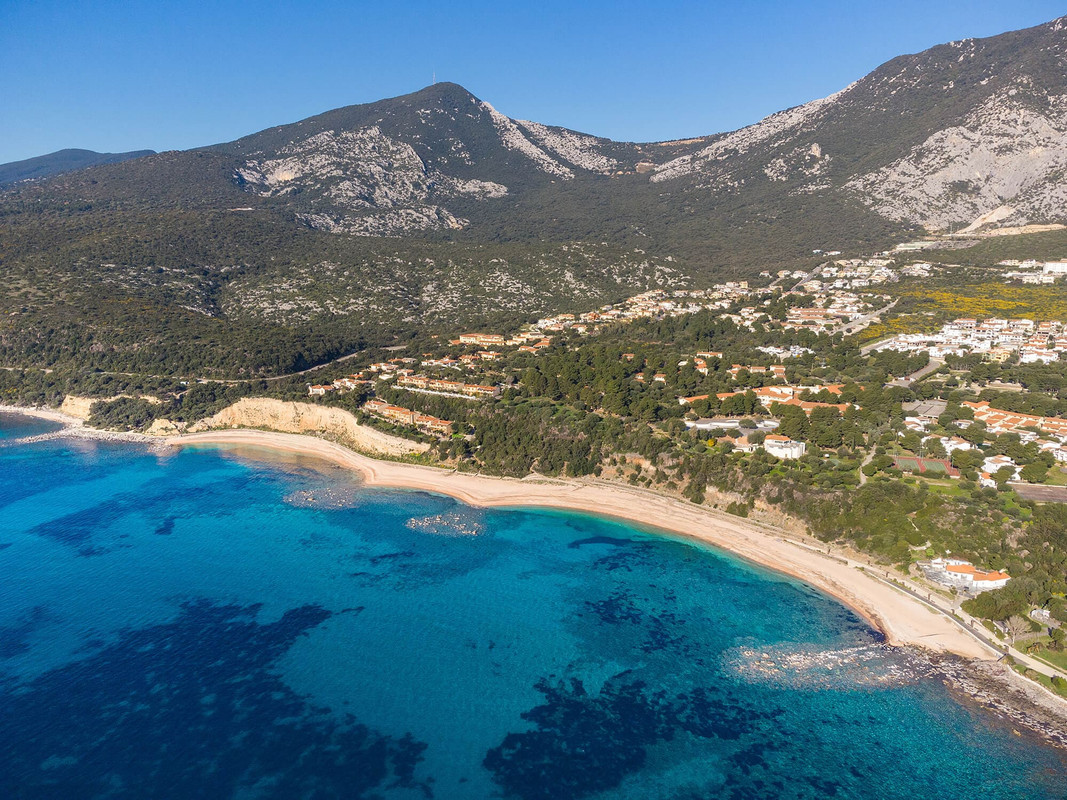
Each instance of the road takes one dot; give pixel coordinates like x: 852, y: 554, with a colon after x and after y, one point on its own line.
x: 944, y: 606
x: 860, y: 323
x: 934, y: 365
x: 203, y: 379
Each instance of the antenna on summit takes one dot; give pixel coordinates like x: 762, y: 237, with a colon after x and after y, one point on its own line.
x: 435, y: 76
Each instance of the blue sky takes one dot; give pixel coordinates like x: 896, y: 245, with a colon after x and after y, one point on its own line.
x: 169, y: 74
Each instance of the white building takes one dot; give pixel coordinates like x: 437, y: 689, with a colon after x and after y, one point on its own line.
x: 963, y: 575
x: 783, y: 447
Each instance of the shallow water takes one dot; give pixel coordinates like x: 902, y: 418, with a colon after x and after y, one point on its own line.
x: 198, y: 624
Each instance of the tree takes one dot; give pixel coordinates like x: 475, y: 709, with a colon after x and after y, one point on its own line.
x: 793, y: 422
x: 1034, y: 473
x: 1016, y: 626
x: 825, y: 427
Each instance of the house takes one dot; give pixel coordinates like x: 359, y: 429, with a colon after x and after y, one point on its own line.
x: 688, y: 401
x: 440, y: 386
x: 319, y: 390
x: 964, y: 575
x: 954, y: 443
x: 992, y: 464
x: 483, y: 339
x: 433, y: 424
x: 783, y: 447
x: 406, y: 416
x: 743, y: 445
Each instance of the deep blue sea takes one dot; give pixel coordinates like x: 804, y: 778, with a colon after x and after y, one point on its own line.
x: 221, y: 623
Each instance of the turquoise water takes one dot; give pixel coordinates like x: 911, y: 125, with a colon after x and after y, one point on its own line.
x: 212, y: 623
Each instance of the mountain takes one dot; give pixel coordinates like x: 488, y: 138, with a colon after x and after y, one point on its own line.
x: 974, y: 131
x: 433, y: 210
x: 61, y: 161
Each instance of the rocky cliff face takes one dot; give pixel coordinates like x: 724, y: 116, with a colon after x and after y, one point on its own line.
x: 1002, y: 165
x: 397, y: 167
x: 288, y: 417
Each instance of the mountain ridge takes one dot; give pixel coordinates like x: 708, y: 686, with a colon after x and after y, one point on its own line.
x: 67, y: 160
x: 433, y: 208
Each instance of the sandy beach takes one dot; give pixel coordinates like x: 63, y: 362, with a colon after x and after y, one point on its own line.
x: 50, y: 414
x: 902, y: 619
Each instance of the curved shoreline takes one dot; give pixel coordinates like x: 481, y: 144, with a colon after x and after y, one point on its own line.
x: 901, y: 619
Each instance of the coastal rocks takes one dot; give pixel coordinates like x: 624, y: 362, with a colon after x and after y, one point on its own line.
x: 448, y: 524
x: 165, y: 427
x: 996, y: 687
x: 291, y: 417
x: 866, y: 665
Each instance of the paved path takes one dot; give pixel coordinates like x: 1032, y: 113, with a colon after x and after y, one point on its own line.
x: 856, y: 325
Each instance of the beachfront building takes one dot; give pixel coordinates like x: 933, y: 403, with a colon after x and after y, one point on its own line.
x: 962, y: 574
x: 406, y: 416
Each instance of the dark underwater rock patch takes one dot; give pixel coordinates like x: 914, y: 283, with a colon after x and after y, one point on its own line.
x: 191, y: 708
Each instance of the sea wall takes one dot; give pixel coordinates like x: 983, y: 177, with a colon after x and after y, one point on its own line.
x: 291, y: 417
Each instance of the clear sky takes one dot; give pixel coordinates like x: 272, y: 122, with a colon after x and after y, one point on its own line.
x: 168, y: 74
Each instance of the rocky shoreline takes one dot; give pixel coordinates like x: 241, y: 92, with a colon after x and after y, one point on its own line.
x: 73, y: 428
x: 996, y: 688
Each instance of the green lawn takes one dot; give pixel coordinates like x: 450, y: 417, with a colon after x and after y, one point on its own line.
x: 1055, y: 658
x: 1057, y: 476
x: 1044, y: 680
x: 949, y: 488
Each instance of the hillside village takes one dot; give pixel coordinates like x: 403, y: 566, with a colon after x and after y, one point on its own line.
x: 767, y: 399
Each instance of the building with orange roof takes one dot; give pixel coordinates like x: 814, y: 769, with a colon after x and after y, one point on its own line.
x: 964, y: 575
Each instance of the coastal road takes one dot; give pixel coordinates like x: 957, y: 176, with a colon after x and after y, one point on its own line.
x: 940, y: 604
x: 203, y: 379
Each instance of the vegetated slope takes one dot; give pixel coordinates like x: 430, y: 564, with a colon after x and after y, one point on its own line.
x: 248, y: 293
x: 433, y: 209
x: 61, y: 161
